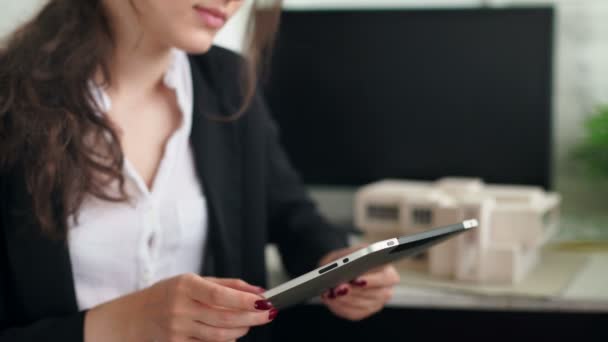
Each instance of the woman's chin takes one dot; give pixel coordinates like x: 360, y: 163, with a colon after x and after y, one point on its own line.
x: 196, y: 43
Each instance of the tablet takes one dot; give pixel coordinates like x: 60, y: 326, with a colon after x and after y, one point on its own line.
x: 349, y: 267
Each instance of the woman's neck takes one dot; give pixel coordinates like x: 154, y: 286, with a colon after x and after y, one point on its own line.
x: 137, y: 68
x: 139, y: 60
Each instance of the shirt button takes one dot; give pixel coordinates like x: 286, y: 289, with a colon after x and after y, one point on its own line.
x: 151, y: 240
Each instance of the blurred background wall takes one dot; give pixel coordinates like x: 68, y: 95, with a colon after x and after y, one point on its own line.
x: 581, y: 79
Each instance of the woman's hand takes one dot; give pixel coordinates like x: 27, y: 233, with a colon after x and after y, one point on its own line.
x: 361, y: 297
x: 184, y: 308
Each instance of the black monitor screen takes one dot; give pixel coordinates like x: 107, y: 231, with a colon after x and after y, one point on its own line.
x: 415, y: 94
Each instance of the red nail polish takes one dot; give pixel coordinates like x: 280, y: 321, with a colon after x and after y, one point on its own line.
x: 360, y: 283
x: 263, y: 305
x: 342, y: 292
x: 273, y: 314
x: 332, y: 293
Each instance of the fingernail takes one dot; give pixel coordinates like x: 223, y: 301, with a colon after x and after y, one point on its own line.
x: 273, y: 314
x: 360, y: 283
x: 342, y: 292
x: 263, y: 305
x: 332, y: 293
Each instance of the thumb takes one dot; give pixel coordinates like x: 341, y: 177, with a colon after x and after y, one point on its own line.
x: 238, y: 284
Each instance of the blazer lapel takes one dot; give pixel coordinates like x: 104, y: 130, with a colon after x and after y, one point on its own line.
x: 217, y: 154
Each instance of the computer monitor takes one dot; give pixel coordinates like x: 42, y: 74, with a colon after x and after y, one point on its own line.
x: 363, y: 95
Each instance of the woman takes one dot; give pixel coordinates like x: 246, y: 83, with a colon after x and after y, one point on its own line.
x: 132, y: 161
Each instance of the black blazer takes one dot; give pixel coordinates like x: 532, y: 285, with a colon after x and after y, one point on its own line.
x: 254, y: 197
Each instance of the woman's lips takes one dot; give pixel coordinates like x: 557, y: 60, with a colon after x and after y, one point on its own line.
x: 213, y: 18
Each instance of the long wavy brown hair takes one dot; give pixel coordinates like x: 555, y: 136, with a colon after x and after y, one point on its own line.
x: 49, y: 129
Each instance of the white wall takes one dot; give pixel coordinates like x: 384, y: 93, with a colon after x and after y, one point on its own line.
x: 13, y: 12
x: 581, y: 84
x: 581, y: 64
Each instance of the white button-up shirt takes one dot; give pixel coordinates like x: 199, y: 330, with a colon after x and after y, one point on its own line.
x: 119, y: 248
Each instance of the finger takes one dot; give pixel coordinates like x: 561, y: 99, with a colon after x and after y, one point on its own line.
x: 224, y: 318
x: 206, y: 332
x: 351, y: 310
x: 381, y: 294
x: 367, y: 305
x: 338, y: 291
x: 211, y: 293
x: 358, y: 282
x: 237, y: 284
x: 337, y: 301
x: 351, y: 313
x: 386, y: 276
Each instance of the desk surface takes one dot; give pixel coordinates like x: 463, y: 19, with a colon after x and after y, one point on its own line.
x: 579, y: 270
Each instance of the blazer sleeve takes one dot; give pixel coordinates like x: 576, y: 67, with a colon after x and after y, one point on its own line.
x: 302, y: 235
x: 68, y: 328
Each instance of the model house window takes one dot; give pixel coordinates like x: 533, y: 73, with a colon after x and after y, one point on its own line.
x: 383, y: 212
x: 422, y: 216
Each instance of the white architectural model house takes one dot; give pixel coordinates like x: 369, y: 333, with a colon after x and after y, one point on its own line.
x: 514, y: 223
